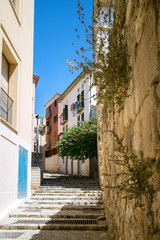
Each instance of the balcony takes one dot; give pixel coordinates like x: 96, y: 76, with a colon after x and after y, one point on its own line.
x: 48, y: 144
x: 48, y: 114
x: 5, y: 106
x: 63, y: 120
x: 64, y: 115
x: 48, y: 129
x: 80, y: 106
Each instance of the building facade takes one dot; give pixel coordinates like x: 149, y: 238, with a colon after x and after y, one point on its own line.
x: 52, y: 134
x: 16, y: 68
x: 34, y: 85
x: 77, y: 104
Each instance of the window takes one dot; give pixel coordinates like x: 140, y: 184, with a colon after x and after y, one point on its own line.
x: 78, y: 90
x: 78, y: 121
x: 5, y: 74
x: 82, y: 86
x: 48, y: 123
x: 65, y: 113
x: 78, y: 97
x: 82, y: 98
x: 5, y: 101
x: 55, y: 103
x: 55, y: 134
x: 9, y: 83
x: 14, y: 3
x: 55, y: 119
x: 17, y: 8
x: 82, y: 117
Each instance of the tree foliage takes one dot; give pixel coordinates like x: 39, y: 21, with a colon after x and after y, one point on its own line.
x: 79, y: 142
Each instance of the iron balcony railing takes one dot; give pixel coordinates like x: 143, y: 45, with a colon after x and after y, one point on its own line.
x: 48, y: 114
x: 6, y: 104
x: 80, y: 106
x: 64, y: 115
x: 48, y: 129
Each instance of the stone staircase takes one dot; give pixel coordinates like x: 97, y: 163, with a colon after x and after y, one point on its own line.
x: 61, y: 203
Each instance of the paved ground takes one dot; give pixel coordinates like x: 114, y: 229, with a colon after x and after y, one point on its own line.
x: 53, y: 235
x: 60, y: 198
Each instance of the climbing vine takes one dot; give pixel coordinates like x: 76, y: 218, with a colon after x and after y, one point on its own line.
x: 105, y: 53
x: 133, y: 177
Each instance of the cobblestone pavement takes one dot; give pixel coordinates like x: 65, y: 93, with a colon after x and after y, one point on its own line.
x: 68, y: 208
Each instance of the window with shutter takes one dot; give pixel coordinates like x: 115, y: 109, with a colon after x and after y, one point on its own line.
x: 82, y: 98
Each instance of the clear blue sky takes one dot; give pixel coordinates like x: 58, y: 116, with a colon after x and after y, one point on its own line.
x: 54, y: 25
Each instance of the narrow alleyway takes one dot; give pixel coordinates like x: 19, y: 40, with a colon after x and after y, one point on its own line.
x: 68, y: 208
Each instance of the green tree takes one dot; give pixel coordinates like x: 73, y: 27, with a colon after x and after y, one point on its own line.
x: 79, y: 142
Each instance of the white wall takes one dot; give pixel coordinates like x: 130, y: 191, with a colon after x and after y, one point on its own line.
x: 52, y: 164
x: 9, y: 160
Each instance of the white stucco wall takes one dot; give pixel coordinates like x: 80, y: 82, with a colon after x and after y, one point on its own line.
x: 52, y: 164
x: 9, y: 161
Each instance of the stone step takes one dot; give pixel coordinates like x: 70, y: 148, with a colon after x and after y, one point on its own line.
x: 67, y: 191
x: 65, y: 202
x: 66, y: 194
x: 65, y: 198
x: 63, y: 207
x: 52, y: 235
x: 48, y: 224
x: 56, y: 214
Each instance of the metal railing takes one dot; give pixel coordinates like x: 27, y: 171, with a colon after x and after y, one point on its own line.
x: 80, y: 105
x: 63, y: 119
x: 5, y: 106
x: 48, y: 129
x: 48, y: 114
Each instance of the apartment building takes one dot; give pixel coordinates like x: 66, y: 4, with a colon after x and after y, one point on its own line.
x: 77, y: 104
x: 16, y: 68
x: 52, y: 134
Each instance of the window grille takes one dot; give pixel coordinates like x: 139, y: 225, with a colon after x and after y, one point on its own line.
x: 5, y: 106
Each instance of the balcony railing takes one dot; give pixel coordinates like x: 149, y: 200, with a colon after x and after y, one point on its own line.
x: 5, y: 106
x: 64, y: 115
x: 48, y: 129
x: 48, y: 114
x: 80, y: 106
x: 63, y: 119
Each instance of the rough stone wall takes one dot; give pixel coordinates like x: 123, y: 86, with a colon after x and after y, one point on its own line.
x: 138, y: 123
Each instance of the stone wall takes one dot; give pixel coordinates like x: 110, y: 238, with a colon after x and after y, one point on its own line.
x: 138, y: 123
